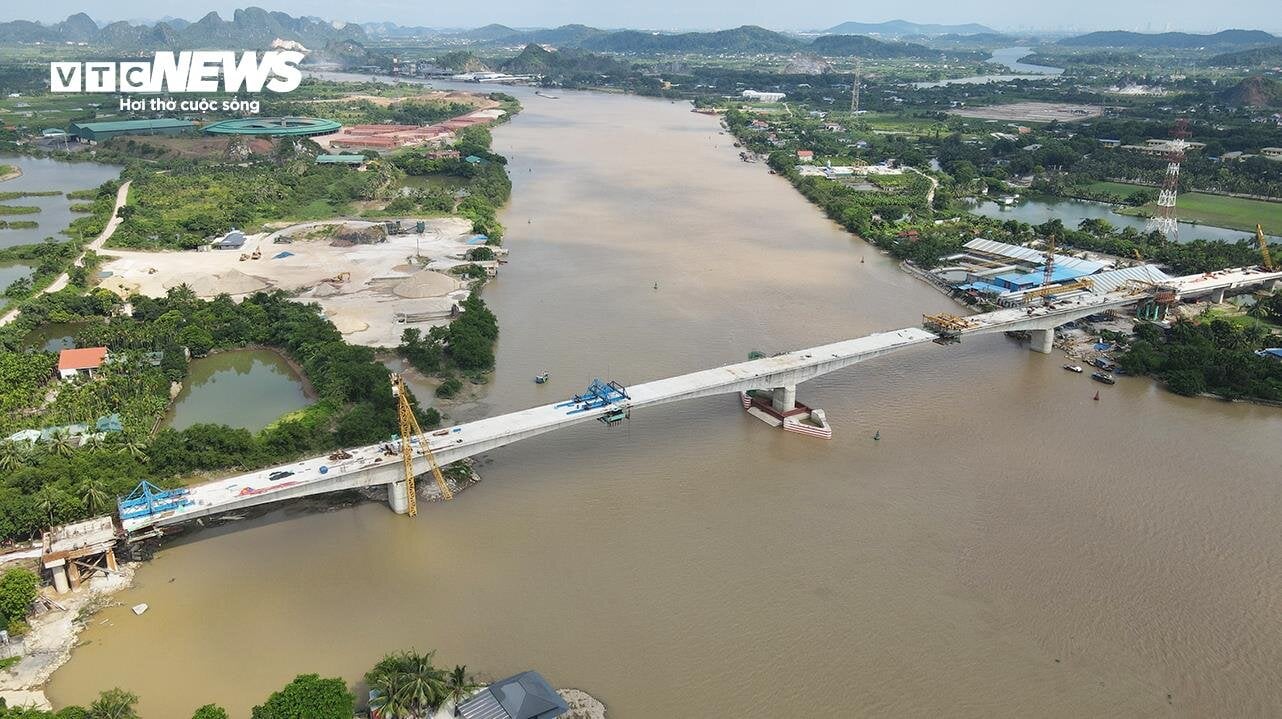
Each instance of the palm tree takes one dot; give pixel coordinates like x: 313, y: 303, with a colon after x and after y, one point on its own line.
x: 60, y: 444
x: 459, y: 686
x: 409, y: 686
x: 135, y: 449
x: 11, y: 456
x: 114, y: 704
x: 47, y: 501
x: 93, y: 492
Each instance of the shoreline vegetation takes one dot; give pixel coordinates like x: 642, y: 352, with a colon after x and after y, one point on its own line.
x: 10, y: 172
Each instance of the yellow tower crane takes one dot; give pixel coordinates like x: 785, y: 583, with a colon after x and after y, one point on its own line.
x: 410, y: 429
x: 1267, y: 261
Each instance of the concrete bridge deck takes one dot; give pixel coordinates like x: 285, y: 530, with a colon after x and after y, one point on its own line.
x: 372, y: 465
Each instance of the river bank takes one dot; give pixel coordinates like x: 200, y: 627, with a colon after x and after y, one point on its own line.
x: 11, y: 172
x: 54, y: 633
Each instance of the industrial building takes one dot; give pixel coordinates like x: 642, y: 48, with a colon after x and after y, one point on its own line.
x: 756, y: 96
x: 1012, y: 275
x: 274, y: 127
x: 102, y: 131
x: 351, y: 160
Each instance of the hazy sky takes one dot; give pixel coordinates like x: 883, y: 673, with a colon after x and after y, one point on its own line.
x: 1142, y: 15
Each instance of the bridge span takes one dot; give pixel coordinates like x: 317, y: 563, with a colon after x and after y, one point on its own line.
x: 374, y: 465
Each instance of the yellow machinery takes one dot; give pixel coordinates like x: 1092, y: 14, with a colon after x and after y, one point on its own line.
x: 1266, y: 260
x: 1081, y: 283
x: 409, y: 430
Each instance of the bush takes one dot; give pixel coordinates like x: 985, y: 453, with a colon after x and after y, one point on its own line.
x: 17, y: 590
x: 449, y: 388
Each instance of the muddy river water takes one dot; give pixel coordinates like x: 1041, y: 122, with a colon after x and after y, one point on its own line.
x: 1008, y: 548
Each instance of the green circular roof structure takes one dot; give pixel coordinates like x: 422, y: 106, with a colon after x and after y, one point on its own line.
x: 274, y: 126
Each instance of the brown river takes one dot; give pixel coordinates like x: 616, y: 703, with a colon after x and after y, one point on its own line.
x: 1008, y: 548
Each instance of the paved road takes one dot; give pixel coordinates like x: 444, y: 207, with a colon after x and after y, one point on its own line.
x: 61, y: 280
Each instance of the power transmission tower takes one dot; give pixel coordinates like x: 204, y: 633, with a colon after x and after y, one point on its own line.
x: 1165, y: 221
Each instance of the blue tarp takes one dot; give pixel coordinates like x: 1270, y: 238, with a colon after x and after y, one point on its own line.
x: 478, y: 240
x: 279, y: 255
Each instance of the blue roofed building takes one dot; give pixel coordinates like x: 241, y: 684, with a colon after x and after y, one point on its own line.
x: 524, y: 696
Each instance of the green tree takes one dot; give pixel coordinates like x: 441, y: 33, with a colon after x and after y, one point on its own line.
x: 408, y: 685
x: 459, y: 685
x: 17, y: 590
x: 94, y: 494
x: 210, y: 711
x: 114, y: 704
x: 308, y: 696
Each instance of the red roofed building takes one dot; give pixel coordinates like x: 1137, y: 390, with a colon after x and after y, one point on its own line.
x: 805, y: 155
x: 87, y: 360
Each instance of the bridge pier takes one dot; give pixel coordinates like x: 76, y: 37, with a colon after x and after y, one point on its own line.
x: 1217, y: 296
x: 398, y: 498
x: 1043, y: 341
x: 784, y: 399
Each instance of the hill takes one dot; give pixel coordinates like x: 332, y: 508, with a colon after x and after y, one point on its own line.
x: 1254, y: 92
x: 533, y: 59
x: 1260, y: 56
x: 899, y: 28
x: 564, y: 36
x: 859, y: 45
x: 1170, y: 40
x: 488, y: 33
x: 748, y: 39
x: 249, y: 28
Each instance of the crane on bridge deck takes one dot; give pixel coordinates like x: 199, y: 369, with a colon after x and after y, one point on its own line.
x: 410, y: 429
x: 1266, y: 261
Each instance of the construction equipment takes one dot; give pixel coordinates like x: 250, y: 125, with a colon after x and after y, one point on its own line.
x: 257, y: 254
x: 148, y: 499
x: 339, y: 278
x: 410, y: 432
x: 1049, y: 272
x: 1045, y: 291
x: 1266, y: 261
x: 948, y: 327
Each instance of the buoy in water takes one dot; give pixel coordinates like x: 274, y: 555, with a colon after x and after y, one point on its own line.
x: 1096, y: 395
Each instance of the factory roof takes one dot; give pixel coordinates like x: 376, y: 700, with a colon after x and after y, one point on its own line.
x: 1028, y: 254
x: 1109, y: 281
x: 131, y: 125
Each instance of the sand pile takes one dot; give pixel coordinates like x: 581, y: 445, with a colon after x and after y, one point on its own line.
x: 232, y: 282
x: 426, y: 284
x: 347, y: 325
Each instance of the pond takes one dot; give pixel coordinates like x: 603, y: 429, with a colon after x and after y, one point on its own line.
x: 41, y: 174
x: 54, y: 337
x: 241, y: 388
x: 1073, y: 211
x: 11, y: 271
x: 1008, y: 56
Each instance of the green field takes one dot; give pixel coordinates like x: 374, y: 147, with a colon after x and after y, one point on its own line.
x: 1120, y: 190
x: 1235, y: 213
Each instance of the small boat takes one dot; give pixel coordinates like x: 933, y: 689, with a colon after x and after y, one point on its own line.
x: 1104, y: 377
x: 877, y: 436
x: 1073, y: 368
x: 140, y: 608
x: 1096, y: 395
x: 541, y: 378
x: 618, y: 414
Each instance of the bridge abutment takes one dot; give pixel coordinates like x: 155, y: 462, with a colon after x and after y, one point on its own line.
x: 398, y: 498
x: 1217, y: 296
x: 1043, y: 340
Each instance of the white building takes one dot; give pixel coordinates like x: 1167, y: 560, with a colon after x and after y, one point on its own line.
x: 763, y: 96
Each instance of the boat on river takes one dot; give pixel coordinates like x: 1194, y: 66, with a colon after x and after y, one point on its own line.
x: 1073, y: 368
x: 541, y: 378
x: 1104, y: 377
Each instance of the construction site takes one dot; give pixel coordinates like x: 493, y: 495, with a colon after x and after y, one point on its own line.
x: 372, y: 279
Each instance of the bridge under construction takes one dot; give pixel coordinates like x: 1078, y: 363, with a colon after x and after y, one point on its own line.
x: 772, y: 382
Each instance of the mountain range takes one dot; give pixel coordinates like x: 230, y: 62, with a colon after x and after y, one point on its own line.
x: 249, y: 28
x: 1171, y: 40
x: 901, y: 28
